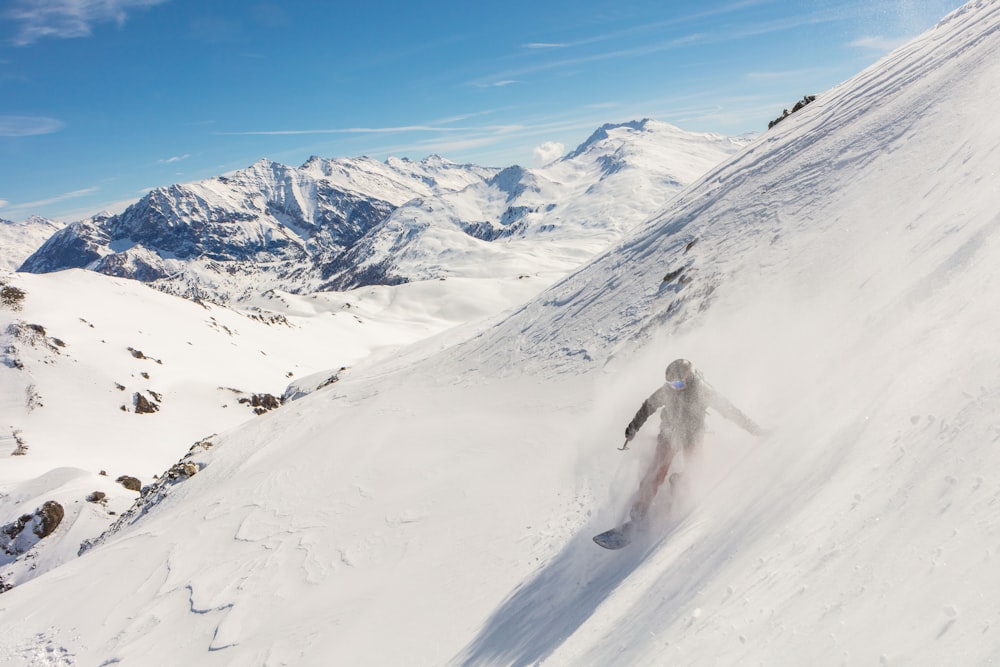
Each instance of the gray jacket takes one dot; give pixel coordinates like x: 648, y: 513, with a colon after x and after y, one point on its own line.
x: 682, y: 419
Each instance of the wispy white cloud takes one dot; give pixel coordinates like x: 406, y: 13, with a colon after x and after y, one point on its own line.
x: 879, y: 44
x: 545, y: 45
x: 38, y: 19
x: 496, y: 84
x: 459, y: 118
x: 655, y: 28
x: 495, y: 146
x: 576, y: 61
x: 83, y: 192
x: 643, y: 39
x: 26, y: 208
x: 175, y: 158
x: 27, y: 126
x: 777, y: 74
x: 371, y: 130
x: 339, y: 130
x: 3, y: 203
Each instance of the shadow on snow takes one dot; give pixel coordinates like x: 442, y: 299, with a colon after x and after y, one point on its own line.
x: 547, y: 609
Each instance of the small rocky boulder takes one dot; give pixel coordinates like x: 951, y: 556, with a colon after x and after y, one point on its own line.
x: 17, y: 537
x: 130, y: 483
x: 144, y: 406
x: 261, y: 403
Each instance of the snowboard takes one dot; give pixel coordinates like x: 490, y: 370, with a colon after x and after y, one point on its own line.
x: 616, y: 538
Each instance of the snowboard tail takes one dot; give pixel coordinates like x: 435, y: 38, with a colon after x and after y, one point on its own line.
x: 616, y: 538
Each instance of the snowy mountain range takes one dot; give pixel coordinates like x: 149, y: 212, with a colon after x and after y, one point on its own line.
x: 344, y: 223
x: 434, y: 503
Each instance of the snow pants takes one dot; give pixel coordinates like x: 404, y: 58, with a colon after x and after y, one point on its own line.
x: 655, y: 476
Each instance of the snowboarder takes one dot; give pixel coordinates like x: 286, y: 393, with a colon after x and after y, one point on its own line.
x: 684, y: 398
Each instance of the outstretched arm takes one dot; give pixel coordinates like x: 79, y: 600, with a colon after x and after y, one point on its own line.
x: 722, y: 405
x: 648, y: 407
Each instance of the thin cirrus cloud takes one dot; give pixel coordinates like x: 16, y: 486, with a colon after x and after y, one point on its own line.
x: 372, y: 130
x: 879, y: 44
x: 645, y: 39
x: 28, y: 126
x: 38, y: 19
x: 28, y: 207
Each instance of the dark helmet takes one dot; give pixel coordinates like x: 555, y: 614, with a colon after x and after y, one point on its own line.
x: 679, y: 370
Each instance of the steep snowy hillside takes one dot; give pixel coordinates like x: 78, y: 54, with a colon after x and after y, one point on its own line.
x: 435, y: 506
x: 836, y: 281
x: 19, y: 239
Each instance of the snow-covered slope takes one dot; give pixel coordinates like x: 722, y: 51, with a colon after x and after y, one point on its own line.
x: 18, y: 240
x: 436, y: 506
x: 105, y: 374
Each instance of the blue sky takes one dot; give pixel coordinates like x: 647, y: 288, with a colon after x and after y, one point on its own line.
x: 101, y: 100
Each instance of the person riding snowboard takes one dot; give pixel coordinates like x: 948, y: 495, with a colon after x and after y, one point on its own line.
x: 684, y: 398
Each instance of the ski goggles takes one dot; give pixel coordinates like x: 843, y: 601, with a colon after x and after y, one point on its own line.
x: 677, y: 384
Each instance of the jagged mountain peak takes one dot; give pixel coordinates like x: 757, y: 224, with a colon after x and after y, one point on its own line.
x: 44, y: 222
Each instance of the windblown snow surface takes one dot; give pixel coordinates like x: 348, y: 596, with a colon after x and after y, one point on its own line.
x: 837, y: 280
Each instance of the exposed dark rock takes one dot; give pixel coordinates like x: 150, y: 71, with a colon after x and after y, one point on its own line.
x: 21, y: 449
x: 130, y: 483
x: 97, y: 497
x: 11, y: 297
x: 261, y: 403
x: 673, y: 275
x: 17, y: 539
x: 51, y: 514
x: 15, y: 528
x: 138, y: 354
x: 143, y: 406
x: 786, y: 113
